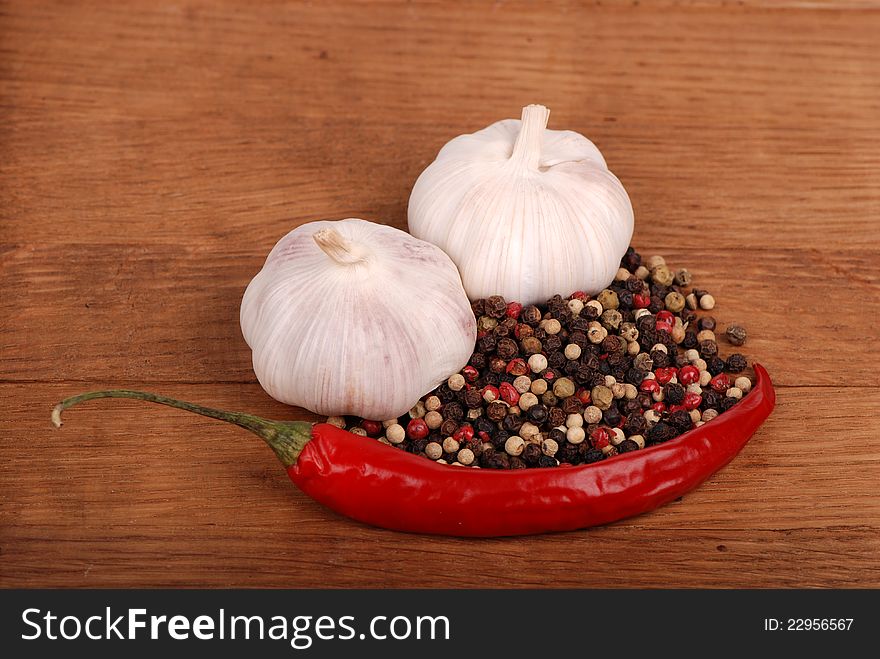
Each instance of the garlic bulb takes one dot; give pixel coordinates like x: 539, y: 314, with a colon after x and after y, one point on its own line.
x: 524, y: 212
x: 352, y: 317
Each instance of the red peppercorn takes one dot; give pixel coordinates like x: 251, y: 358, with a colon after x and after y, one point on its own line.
x: 514, y: 309
x: 464, y: 433
x: 490, y: 393
x: 649, y: 386
x: 517, y: 367
x: 689, y: 375
x: 665, y: 375
x: 600, y: 438
x: 621, y: 422
x: 659, y: 408
x: 509, y: 394
x: 583, y: 395
x: 481, y: 333
x: 720, y: 383
x: 470, y: 373
x: 641, y: 301
x: 579, y: 295
x: 692, y: 401
x: 417, y: 429
x: 484, y: 436
x: 664, y: 316
x: 373, y: 428
x: 676, y: 408
x: 663, y: 327
x: 549, y: 375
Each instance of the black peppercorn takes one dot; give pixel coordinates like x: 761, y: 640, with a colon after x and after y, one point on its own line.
x: 715, y: 365
x: 571, y: 405
x: 557, y: 360
x: 635, y: 424
x: 626, y: 446
x: 487, y: 343
x: 531, y: 454
x: 625, y: 299
x: 531, y: 315
x: 711, y: 399
x: 628, y: 407
x: 674, y: 394
x: 512, y: 423
x: 453, y: 411
x: 708, y: 348
x: 552, y: 342
x: 496, y: 411
x: 707, y: 323
x: 569, y: 453
x: 660, y: 358
x: 690, y: 340
x: 472, y: 399
x: 478, y: 307
x: 557, y: 436
x: 538, y: 413
x: 483, y: 424
x: 507, y: 348
x: 496, y: 306
x: 681, y: 420
x: 478, y: 361
x: 727, y: 402
x: 517, y: 462
x: 611, y: 416
x: 631, y: 259
x: 592, y: 455
x: 661, y: 432
x: 547, y: 461
x: 736, y: 363
x: 449, y: 426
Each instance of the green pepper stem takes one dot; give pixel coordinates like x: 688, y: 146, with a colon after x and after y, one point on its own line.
x: 286, y: 438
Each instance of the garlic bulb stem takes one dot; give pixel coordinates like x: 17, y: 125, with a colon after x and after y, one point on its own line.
x: 527, y: 148
x: 338, y: 248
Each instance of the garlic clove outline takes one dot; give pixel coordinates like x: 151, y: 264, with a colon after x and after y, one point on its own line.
x: 354, y: 317
x: 525, y: 212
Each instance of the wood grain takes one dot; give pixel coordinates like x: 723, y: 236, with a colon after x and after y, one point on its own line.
x: 154, y: 152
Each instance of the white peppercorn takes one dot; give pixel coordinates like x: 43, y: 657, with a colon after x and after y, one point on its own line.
x: 514, y: 445
x: 572, y: 351
x: 522, y: 384
x: 433, y: 403
x: 465, y: 456
x: 707, y: 302
x: 709, y: 414
x: 451, y: 445
x: 575, y: 420
x: 575, y: 435
x: 433, y: 450
x: 339, y: 422
x: 395, y: 434
x: 529, y: 430
x: 592, y: 414
x: 537, y: 362
x: 527, y: 401
x: 734, y: 392
x: 433, y: 419
x: 638, y: 439
x: 617, y: 436
x: 538, y: 387
x: 575, y: 306
x: 743, y: 384
x: 456, y: 382
x: 631, y: 392
x: 549, y: 447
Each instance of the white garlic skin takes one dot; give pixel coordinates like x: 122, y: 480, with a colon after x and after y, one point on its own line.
x: 365, y: 330
x: 526, y: 214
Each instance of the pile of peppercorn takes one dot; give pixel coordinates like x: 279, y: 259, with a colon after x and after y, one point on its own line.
x: 577, y: 380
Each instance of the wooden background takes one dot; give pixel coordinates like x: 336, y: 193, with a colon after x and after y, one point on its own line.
x: 152, y: 154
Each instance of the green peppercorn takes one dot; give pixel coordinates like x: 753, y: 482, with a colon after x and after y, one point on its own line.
x: 683, y: 278
x: 611, y: 319
x: 563, y: 388
x: 608, y: 299
x: 602, y: 397
x: 662, y: 275
x: 674, y: 302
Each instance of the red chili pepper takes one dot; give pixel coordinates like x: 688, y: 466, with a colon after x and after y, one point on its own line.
x: 382, y: 486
